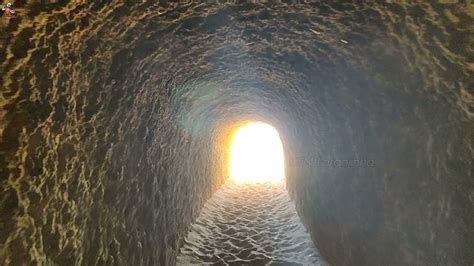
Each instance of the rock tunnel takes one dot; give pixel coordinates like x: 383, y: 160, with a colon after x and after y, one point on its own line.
x: 116, y: 118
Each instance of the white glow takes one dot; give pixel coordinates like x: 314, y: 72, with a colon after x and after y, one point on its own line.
x: 257, y: 154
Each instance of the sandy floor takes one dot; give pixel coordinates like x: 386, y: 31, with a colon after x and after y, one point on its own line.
x: 249, y: 223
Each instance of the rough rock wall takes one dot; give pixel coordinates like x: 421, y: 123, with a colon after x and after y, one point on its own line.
x: 398, y: 95
x: 115, y: 119
x: 98, y: 163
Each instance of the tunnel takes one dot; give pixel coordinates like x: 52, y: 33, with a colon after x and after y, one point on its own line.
x: 116, y: 119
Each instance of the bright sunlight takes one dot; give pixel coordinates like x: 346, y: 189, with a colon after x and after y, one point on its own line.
x: 257, y: 154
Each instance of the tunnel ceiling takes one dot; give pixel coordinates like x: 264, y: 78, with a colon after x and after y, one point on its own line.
x: 115, y: 120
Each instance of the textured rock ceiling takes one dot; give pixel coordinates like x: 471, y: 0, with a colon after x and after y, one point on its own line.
x: 115, y: 120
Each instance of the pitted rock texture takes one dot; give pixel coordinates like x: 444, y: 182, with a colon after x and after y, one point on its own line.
x: 115, y: 119
x: 249, y: 224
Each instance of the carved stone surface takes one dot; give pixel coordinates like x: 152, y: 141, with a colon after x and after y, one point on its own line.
x: 114, y: 121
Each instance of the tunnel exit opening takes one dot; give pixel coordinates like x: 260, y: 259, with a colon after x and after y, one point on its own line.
x: 256, y: 154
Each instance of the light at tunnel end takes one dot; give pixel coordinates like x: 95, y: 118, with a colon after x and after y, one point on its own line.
x: 256, y: 154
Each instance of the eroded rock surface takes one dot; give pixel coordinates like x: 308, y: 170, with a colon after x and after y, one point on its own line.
x: 114, y: 119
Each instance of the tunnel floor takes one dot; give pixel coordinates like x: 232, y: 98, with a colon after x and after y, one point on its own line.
x: 249, y: 223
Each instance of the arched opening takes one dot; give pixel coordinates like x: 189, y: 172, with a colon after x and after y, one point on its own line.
x: 250, y: 219
x: 256, y: 154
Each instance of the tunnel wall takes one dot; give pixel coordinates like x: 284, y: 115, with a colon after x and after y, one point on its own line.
x: 391, y: 103
x: 100, y: 163
x: 116, y: 116
x: 370, y: 197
